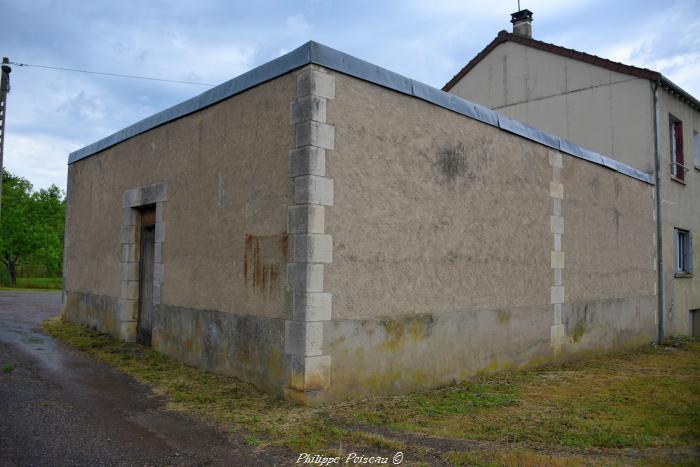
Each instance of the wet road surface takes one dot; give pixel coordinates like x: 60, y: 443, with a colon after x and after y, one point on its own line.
x: 61, y: 407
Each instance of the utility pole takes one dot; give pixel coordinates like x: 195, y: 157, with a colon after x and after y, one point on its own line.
x: 4, y: 90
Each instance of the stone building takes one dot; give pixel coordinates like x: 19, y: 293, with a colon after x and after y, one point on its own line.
x: 325, y: 228
x: 635, y: 115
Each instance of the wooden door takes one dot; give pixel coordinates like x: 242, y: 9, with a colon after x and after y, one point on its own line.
x: 148, y: 236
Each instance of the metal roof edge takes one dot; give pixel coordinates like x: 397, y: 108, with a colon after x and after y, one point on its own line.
x: 352, y: 66
x: 265, y: 72
x: 319, y: 54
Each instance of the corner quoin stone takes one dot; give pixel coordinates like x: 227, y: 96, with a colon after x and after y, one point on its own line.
x: 306, y: 277
x: 312, y: 133
x: 314, y: 306
x: 557, y: 334
x: 303, y: 338
x: 557, y: 224
x: 557, y: 294
x: 308, y: 305
x: 315, y: 82
x: 555, y: 159
x: 556, y: 190
x: 306, y: 218
x: 557, y: 261
x: 310, y: 373
x: 312, y: 248
x: 307, y: 160
x: 312, y: 189
x: 309, y: 107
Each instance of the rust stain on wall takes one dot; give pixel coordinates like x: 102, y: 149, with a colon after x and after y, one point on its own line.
x: 263, y: 260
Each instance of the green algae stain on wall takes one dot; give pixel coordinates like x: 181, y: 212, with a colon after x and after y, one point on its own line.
x: 274, y: 364
x: 579, y: 330
x: 400, y: 332
x: 503, y: 316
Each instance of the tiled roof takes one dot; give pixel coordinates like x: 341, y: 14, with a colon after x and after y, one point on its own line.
x: 505, y: 36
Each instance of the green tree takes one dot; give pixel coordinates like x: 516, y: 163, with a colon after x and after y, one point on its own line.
x: 48, y: 216
x: 31, y: 225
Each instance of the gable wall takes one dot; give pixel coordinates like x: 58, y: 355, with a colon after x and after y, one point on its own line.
x: 593, y: 107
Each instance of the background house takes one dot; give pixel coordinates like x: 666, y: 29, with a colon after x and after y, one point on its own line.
x: 629, y: 113
x: 324, y: 228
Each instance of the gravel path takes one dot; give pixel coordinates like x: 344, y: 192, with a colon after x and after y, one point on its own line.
x: 60, y: 407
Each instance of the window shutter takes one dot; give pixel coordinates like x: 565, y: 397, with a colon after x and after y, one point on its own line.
x: 678, y: 134
x: 676, y: 251
x: 679, y: 141
x: 689, y: 253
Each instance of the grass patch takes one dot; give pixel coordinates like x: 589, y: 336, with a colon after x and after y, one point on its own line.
x: 35, y: 283
x: 644, y: 399
x: 639, y: 399
x: 8, y: 368
x: 251, y: 440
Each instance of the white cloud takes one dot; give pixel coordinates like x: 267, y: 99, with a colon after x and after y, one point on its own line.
x: 474, y: 12
x: 678, y: 60
x: 39, y: 158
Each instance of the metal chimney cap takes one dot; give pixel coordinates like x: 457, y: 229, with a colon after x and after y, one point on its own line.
x: 520, y: 16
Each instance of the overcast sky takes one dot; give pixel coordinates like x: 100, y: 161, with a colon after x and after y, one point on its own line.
x: 51, y: 113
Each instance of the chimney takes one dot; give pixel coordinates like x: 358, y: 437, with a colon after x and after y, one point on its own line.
x: 522, y: 22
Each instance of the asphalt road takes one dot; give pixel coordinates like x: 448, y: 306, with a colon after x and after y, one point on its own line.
x: 61, y: 407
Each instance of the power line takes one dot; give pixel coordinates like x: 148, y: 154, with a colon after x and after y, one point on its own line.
x: 118, y: 75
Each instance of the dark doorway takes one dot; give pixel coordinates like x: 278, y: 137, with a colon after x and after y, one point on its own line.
x: 695, y: 323
x: 148, y: 236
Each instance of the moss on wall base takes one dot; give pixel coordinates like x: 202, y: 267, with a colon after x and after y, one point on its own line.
x: 384, y: 356
x: 245, y: 346
x: 414, y: 353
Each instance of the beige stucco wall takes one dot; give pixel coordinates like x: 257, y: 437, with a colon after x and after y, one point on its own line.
x: 442, y: 238
x: 226, y: 173
x: 609, y: 234
x: 599, y: 109
x: 417, y: 240
x: 442, y: 261
x: 222, y: 269
x: 681, y: 209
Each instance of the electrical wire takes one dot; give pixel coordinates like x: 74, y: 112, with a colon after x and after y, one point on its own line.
x: 118, y: 75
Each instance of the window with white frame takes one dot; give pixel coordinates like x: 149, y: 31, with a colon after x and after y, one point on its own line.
x: 676, y: 136
x: 684, y: 251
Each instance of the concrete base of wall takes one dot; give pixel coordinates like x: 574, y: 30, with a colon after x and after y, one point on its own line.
x: 247, y: 347
x: 389, y: 356
x: 609, y: 324
x: 244, y: 346
x: 383, y: 356
x: 94, y: 311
